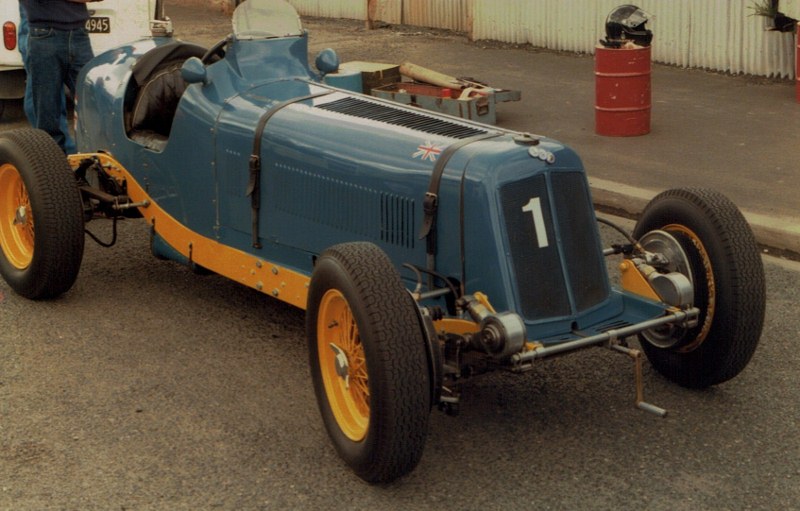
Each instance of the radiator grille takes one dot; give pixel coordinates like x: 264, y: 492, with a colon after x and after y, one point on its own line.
x: 561, y: 273
x: 539, y: 275
x: 579, y: 242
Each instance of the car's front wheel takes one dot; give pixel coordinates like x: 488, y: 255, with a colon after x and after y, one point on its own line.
x: 724, y: 264
x: 368, y: 362
x: 41, y: 216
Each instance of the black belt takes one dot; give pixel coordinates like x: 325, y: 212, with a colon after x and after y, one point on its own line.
x: 254, y: 184
x: 430, y: 203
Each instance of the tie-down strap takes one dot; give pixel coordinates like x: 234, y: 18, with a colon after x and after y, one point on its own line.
x: 254, y: 183
x: 430, y: 203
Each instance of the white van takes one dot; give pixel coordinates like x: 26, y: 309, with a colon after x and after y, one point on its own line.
x: 111, y: 23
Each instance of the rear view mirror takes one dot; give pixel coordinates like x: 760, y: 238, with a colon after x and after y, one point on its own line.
x: 327, y: 61
x: 193, y: 71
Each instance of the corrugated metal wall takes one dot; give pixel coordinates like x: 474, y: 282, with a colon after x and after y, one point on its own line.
x: 720, y: 35
x: 448, y: 14
x: 353, y: 9
x: 791, y: 8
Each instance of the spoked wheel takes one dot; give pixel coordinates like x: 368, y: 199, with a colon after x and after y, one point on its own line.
x: 721, y: 258
x: 368, y: 362
x: 41, y: 216
x: 343, y: 365
x: 16, y: 229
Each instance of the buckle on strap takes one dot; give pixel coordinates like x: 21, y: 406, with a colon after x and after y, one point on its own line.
x: 429, y: 206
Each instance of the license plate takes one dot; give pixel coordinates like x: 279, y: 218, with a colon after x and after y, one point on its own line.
x: 98, y: 25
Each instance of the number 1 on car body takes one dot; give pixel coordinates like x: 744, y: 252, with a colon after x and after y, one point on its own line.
x: 534, y: 207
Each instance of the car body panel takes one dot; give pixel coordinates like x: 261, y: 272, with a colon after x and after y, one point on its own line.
x: 343, y: 167
x: 426, y: 250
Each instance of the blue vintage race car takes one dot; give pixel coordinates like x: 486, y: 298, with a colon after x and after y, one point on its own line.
x: 425, y: 249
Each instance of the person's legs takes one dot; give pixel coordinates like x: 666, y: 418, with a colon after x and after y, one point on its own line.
x: 22, y: 41
x: 22, y: 34
x: 27, y: 103
x: 80, y: 52
x: 47, y: 59
x: 70, y: 147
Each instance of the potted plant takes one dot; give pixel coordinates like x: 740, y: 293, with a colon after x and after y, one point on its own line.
x: 774, y: 20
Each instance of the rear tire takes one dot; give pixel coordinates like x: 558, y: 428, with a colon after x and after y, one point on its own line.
x: 41, y: 216
x: 729, y: 289
x: 368, y: 362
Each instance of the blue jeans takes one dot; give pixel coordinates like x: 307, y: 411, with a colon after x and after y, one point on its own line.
x: 53, y: 60
x: 22, y: 38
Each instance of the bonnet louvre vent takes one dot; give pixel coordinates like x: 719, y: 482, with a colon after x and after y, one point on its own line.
x: 398, y: 117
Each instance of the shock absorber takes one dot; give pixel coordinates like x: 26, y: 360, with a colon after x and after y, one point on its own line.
x: 500, y: 334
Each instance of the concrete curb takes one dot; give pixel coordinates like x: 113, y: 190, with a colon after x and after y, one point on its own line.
x: 778, y: 233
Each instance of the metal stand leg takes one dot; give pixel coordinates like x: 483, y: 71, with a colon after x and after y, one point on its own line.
x: 636, y: 355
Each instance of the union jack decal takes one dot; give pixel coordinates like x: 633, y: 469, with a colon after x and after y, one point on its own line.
x: 427, y: 151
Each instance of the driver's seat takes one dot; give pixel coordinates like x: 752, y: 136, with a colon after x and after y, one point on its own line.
x: 157, y: 101
x: 157, y: 85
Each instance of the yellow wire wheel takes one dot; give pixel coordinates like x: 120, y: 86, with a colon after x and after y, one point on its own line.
x: 16, y: 224
x: 369, y: 361
x: 343, y: 365
x: 724, y: 265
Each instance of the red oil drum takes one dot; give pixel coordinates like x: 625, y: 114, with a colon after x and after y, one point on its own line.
x: 622, y: 91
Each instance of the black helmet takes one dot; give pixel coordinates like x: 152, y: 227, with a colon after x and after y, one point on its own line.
x: 626, y: 23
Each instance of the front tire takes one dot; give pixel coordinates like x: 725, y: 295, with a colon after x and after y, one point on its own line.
x: 728, y: 275
x: 368, y: 362
x: 41, y: 216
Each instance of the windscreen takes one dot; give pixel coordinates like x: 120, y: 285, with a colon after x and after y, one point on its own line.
x: 263, y: 19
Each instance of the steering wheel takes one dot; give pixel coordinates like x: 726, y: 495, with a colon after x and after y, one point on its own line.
x: 218, y: 51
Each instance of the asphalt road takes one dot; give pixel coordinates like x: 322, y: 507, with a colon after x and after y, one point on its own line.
x: 149, y: 387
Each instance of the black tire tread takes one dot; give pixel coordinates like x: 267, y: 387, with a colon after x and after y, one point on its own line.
x: 400, y: 390
x: 741, y: 289
x: 57, y: 211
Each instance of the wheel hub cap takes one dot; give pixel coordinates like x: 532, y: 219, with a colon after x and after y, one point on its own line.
x: 21, y: 216
x: 342, y: 365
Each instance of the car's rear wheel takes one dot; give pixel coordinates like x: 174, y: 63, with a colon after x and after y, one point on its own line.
x: 725, y: 267
x: 368, y: 362
x: 41, y: 216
